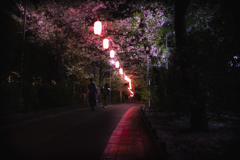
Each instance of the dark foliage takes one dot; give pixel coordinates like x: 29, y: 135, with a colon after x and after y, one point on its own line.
x: 51, y: 96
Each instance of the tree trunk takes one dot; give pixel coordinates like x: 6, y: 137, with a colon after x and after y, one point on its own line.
x: 190, y: 86
x: 199, y: 121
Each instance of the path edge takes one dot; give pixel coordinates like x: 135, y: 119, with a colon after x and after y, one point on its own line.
x: 162, y: 153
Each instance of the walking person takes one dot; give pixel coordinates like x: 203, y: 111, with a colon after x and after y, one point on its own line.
x: 105, y: 93
x: 92, y: 94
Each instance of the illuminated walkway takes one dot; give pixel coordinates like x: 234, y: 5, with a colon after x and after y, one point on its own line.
x: 130, y: 139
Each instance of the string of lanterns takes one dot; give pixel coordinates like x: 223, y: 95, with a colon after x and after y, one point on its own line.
x: 98, y: 30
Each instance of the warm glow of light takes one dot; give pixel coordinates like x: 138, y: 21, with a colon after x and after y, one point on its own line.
x: 112, y: 61
x: 127, y: 79
x: 112, y: 52
x: 117, y: 64
x: 97, y: 27
x: 131, y: 93
x: 105, y: 43
x: 121, y: 71
x: 130, y: 86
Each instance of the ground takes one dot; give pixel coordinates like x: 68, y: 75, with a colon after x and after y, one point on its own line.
x: 221, y: 141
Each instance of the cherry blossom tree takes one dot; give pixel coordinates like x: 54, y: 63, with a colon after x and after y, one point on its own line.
x: 65, y: 25
x: 69, y: 28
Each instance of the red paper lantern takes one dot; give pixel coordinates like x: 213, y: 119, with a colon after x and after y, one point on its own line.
x: 112, y: 53
x: 98, y: 27
x: 105, y: 43
x: 121, y: 71
x: 117, y: 64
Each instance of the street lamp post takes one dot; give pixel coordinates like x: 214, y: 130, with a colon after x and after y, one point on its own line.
x: 20, y: 99
x: 111, y: 56
x: 24, y: 30
x: 110, y: 87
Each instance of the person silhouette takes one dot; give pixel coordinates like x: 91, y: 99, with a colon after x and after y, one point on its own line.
x: 105, y: 93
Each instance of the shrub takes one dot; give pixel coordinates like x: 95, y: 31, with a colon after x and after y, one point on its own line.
x: 9, y: 94
x: 29, y: 95
x: 51, y: 96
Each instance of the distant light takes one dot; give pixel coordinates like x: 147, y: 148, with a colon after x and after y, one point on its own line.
x: 112, y: 61
x: 105, y: 43
x: 112, y: 54
x: 98, y: 27
x: 117, y: 64
x: 130, y: 86
x: 129, y: 80
x: 121, y: 71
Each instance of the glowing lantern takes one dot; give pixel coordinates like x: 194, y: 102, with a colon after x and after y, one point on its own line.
x: 117, y: 64
x: 105, y: 43
x: 121, y: 71
x: 98, y: 27
x: 112, y: 61
x: 112, y: 53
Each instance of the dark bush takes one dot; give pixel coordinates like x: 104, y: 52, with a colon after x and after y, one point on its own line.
x: 29, y: 97
x: 25, y: 97
x: 9, y: 95
x: 51, y: 96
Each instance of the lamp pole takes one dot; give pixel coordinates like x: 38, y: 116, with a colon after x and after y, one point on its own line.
x: 148, y: 94
x: 24, y: 30
x: 110, y: 87
x: 20, y: 99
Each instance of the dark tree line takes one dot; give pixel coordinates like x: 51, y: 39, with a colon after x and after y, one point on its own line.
x: 203, y: 74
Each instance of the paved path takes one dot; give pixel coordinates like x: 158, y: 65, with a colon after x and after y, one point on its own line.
x: 130, y: 140
x: 116, y: 132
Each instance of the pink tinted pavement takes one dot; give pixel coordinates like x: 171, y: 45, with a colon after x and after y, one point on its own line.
x: 130, y: 140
